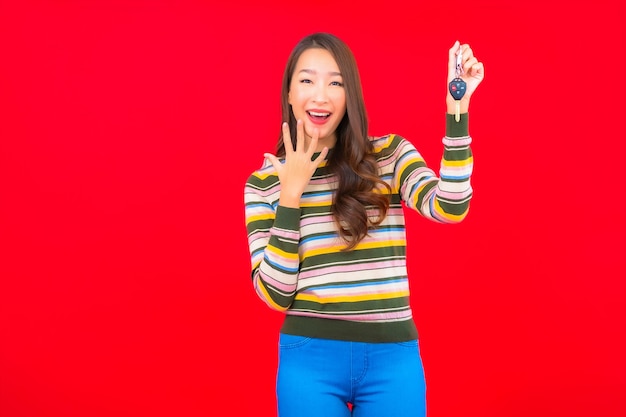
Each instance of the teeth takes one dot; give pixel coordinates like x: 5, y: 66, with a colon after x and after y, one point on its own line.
x: 312, y: 113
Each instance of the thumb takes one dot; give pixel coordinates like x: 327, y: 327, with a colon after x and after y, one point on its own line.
x: 452, y: 53
x: 273, y: 160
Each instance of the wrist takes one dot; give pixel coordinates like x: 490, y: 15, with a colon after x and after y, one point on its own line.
x: 451, y: 105
x: 291, y: 201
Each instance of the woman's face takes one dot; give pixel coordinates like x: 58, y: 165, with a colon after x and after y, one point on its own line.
x: 317, y: 96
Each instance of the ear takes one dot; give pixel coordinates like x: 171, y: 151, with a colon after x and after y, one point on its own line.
x: 289, y: 97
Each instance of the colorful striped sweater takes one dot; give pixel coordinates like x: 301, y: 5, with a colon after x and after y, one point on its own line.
x: 360, y: 295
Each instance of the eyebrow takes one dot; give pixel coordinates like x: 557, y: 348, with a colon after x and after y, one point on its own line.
x: 310, y: 71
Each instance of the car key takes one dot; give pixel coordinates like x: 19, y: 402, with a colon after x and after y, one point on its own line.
x: 457, y: 86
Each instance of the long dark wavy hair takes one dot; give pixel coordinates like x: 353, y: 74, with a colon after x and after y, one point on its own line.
x: 359, y: 186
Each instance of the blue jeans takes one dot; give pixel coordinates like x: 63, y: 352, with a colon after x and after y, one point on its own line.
x: 319, y: 377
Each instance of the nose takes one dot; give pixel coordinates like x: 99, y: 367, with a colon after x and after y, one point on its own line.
x: 320, y: 94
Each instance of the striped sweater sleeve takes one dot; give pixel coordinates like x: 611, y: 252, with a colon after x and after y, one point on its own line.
x: 444, y: 198
x: 273, y: 238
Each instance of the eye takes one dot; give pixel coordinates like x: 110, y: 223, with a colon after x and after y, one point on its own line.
x: 337, y: 83
x: 306, y: 81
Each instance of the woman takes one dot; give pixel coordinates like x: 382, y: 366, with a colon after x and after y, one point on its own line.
x: 327, y: 240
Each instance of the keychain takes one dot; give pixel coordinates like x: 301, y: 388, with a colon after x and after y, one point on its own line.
x: 457, y: 85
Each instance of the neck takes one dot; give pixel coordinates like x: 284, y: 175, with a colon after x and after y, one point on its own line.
x: 328, y: 142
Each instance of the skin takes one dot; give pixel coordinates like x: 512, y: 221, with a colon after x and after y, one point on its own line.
x: 473, y: 74
x: 316, y: 86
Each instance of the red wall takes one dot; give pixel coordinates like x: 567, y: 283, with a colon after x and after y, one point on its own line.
x: 124, y: 271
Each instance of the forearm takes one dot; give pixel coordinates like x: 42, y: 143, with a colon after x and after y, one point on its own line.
x: 445, y: 197
x: 454, y: 191
x: 275, y: 259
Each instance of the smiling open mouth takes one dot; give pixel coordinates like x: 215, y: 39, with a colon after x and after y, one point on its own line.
x: 318, y: 116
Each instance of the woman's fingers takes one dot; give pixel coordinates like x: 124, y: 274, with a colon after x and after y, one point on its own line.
x: 313, y: 144
x: 468, y: 64
x: 452, y: 52
x: 273, y: 160
x: 301, y: 145
x: 287, y: 139
x: 299, y: 136
x: 321, y: 157
x: 466, y: 51
x: 477, y: 70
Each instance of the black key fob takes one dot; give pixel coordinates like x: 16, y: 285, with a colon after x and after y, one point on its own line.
x: 457, y: 88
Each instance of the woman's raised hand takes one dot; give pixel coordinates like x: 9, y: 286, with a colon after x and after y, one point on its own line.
x: 299, y: 166
x: 473, y: 73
